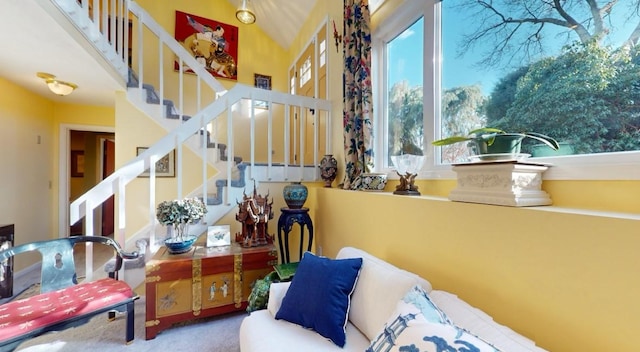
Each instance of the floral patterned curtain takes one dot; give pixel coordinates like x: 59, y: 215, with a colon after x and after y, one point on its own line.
x: 357, y: 99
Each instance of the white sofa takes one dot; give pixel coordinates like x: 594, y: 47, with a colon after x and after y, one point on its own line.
x: 378, y: 289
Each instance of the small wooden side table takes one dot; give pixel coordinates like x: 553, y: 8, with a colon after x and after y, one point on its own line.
x: 287, y: 218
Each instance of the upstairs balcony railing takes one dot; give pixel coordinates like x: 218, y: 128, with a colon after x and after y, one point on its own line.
x: 277, y: 135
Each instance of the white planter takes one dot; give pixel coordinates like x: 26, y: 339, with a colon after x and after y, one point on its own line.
x: 509, y: 183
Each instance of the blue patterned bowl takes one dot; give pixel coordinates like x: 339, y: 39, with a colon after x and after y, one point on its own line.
x: 373, y: 182
x: 183, y: 245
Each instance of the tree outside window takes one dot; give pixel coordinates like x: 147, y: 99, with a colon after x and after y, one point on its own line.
x: 405, y: 117
x: 568, y: 69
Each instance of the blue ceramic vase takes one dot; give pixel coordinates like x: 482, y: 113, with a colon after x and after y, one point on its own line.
x: 295, y: 194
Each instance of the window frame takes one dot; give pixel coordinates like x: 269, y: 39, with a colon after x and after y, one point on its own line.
x: 601, y: 166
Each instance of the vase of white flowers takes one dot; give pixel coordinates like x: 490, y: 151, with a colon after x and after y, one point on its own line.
x: 177, y: 215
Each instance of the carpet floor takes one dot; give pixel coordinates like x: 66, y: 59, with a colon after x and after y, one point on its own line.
x: 219, y: 334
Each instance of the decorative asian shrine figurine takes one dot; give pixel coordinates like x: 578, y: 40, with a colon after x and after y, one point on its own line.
x: 254, y: 212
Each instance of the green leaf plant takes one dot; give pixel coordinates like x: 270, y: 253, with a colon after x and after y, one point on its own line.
x: 488, y: 135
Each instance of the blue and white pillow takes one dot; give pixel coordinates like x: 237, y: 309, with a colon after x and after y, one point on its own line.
x: 417, y: 325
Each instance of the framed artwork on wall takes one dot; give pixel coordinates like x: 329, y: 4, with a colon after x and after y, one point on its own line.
x: 165, y: 167
x: 77, y: 163
x: 263, y: 82
x: 213, y: 44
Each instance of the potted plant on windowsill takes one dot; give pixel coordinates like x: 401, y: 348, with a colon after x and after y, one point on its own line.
x: 177, y: 215
x: 496, y: 143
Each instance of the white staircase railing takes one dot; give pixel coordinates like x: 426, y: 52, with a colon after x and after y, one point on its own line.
x: 213, y: 111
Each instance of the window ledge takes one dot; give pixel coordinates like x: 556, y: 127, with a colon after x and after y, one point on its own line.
x: 603, y: 166
x: 547, y: 208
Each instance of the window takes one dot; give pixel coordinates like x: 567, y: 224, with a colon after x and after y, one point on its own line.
x: 578, y: 84
x: 545, y: 79
x: 305, y: 71
x: 323, y: 53
x: 404, y: 96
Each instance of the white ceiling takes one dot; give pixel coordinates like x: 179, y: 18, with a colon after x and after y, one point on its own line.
x: 281, y: 19
x: 33, y: 40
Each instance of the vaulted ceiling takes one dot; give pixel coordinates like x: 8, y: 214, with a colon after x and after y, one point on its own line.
x: 281, y: 19
x: 33, y: 40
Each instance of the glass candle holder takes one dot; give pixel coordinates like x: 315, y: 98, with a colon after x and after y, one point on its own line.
x: 407, y: 167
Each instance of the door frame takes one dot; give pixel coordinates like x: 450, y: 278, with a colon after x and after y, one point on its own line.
x: 103, y: 161
x: 321, y: 32
x: 64, y: 170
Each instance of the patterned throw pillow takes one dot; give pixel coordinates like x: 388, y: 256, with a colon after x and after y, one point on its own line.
x: 418, y: 325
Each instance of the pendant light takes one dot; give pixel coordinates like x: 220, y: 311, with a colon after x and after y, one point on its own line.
x: 245, y: 13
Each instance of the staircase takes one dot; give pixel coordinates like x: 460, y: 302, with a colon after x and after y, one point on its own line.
x: 208, y: 130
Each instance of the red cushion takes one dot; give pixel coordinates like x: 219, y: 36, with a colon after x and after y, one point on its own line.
x: 21, y: 316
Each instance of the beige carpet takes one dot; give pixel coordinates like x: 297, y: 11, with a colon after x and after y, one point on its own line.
x: 218, y: 334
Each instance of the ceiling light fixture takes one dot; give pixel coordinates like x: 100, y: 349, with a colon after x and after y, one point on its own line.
x: 56, y: 86
x: 245, y: 13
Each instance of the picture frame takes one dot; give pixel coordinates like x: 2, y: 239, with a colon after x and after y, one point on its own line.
x: 262, y: 82
x: 218, y: 236
x: 212, y: 43
x: 165, y: 167
x: 77, y: 163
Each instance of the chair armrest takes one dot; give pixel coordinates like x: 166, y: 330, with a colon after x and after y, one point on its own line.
x: 109, y: 242
x: 58, y: 268
x: 120, y: 253
x: 276, y: 294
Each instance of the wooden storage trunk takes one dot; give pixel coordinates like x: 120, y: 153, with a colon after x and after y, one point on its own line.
x: 202, y: 283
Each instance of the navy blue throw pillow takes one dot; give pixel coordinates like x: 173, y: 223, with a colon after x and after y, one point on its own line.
x: 320, y: 295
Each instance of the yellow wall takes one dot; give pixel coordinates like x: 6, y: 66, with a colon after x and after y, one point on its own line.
x: 603, y: 195
x: 568, y: 281
x: 257, y: 53
x: 27, y: 166
x: 29, y: 177
x: 563, y: 278
x: 130, y: 121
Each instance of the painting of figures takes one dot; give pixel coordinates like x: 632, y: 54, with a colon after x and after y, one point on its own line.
x: 213, y: 44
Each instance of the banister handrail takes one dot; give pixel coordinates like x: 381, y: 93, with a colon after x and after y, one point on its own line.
x: 132, y: 169
x: 177, y: 49
x: 203, y: 122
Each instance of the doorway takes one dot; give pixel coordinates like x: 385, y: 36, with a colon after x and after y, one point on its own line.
x: 309, y: 78
x: 91, y: 156
x: 108, y: 167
